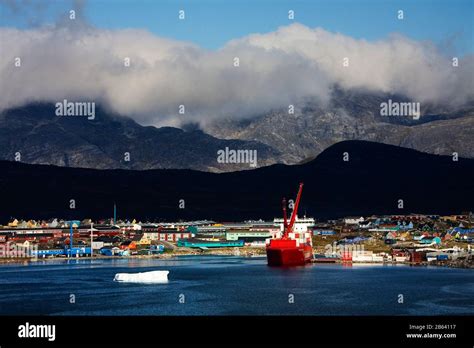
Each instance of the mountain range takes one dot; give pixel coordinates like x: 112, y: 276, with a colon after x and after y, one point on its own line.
x: 34, y: 134
x: 372, y: 181
x: 354, y: 115
x: 110, y: 141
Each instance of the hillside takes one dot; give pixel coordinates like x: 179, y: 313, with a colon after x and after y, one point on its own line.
x: 371, y: 182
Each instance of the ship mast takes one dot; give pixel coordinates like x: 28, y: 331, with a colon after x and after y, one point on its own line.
x: 285, y: 220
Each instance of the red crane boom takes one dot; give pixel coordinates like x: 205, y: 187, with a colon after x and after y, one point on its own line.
x: 289, y: 227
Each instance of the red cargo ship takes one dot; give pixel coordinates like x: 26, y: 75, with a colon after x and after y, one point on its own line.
x: 292, y: 249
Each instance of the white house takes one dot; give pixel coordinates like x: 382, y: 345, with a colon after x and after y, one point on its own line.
x: 300, y: 226
x: 353, y: 220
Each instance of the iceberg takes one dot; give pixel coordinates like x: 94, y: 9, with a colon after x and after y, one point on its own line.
x: 143, y: 277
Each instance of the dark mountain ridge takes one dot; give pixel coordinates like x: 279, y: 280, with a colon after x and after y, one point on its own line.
x: 373, y: 181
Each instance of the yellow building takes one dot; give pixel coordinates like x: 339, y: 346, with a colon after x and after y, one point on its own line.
x: 14, y: 223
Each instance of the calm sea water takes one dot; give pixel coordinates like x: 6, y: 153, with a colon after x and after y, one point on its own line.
x: 214, y: 285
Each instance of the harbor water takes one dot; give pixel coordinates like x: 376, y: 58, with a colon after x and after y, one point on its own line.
x: 229, y: 285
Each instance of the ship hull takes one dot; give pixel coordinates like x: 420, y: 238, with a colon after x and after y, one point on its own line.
x: 297, y: 256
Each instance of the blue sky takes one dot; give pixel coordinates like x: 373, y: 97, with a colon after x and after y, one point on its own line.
x: 211, y: 23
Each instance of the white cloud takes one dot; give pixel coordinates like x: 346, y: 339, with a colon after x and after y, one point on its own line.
x: 276, y: 69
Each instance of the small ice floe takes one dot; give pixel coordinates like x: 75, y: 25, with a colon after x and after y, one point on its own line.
x: 143, y: 277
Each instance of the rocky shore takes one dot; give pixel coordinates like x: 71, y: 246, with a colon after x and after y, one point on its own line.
x: 461, y: 262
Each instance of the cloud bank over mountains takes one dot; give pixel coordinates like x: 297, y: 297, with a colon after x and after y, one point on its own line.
x: 83, y: 63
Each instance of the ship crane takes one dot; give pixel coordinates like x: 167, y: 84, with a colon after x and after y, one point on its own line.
x: 288, y: 227
x: 292, y: 249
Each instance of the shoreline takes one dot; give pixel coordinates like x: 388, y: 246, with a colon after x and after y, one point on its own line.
x: 467, y: 263
x: 242, y: 252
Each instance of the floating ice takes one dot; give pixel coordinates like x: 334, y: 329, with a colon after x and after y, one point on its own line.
x: 143, y: 277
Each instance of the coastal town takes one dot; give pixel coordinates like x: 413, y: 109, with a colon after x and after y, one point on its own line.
x: 414, y: 239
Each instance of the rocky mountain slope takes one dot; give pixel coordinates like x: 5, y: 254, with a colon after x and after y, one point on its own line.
x: 354, y: 116
x: 36, y: 134
x: 116, y: 142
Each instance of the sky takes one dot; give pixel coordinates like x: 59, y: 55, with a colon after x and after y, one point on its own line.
x: 212, y: 23
x: 192, y: 62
